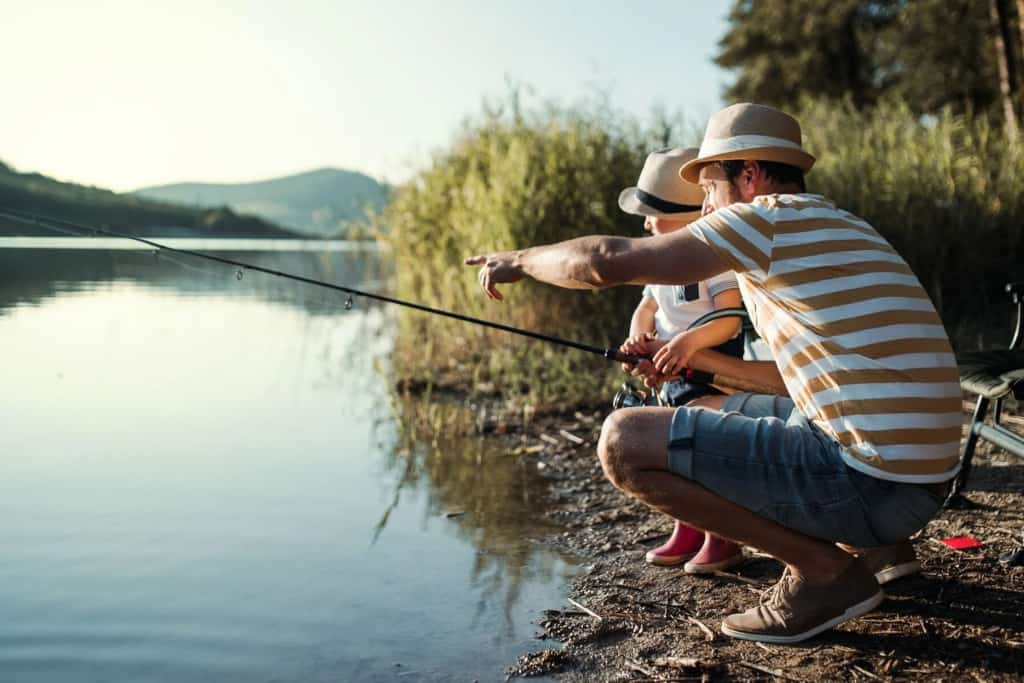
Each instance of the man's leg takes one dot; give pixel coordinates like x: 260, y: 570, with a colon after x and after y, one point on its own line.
x: 659, y: 455
x: 634, y: 454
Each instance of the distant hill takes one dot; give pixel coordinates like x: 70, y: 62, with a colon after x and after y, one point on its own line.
x: 321, y: 203
x: 45, y: 196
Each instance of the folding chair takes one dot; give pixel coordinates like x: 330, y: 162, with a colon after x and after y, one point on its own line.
x: 993, y: 375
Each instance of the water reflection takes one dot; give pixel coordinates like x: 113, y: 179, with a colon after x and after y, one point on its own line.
x: 31, y: 275
x: 492, y: 499
x: 214, y: 476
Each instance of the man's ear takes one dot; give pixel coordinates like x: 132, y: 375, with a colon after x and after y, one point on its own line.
x: 752, y: 172
x: 750, y: 177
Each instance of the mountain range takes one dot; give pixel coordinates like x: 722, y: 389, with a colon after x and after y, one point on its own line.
x: 320, y: 203
x: 44, y: 196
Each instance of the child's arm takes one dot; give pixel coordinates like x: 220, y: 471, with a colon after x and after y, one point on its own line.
x: 643, y: 317
x: 642, y: 341
x: 672, y: 358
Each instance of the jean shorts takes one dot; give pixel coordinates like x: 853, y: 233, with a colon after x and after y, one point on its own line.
x: 762, y: 453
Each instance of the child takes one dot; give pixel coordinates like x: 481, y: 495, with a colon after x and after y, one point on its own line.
x: 659, y: 330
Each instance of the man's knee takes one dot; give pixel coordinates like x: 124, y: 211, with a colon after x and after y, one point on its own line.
x: 633, y: 441
x: 612, y: 447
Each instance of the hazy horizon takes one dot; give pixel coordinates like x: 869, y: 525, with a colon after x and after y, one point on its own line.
x: 255, y: 181
x: 125, y: 96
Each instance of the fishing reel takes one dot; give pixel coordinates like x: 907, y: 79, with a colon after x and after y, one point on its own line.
x: 628, y: 397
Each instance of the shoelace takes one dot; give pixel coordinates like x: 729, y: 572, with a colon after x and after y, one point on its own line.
x: 772, y: 597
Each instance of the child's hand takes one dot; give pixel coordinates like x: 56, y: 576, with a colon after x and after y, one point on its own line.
x: 643, y: 345
x: 674, y: 356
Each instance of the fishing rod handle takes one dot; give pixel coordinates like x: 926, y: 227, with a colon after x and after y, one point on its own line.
x: 620, y: 357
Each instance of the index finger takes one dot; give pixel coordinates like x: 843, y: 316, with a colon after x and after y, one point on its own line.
x: 477, y: 260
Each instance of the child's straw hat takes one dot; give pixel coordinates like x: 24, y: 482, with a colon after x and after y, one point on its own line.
x: 660, y: 192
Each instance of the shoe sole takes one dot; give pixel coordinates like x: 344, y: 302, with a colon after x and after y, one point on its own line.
x: 897, y: 572
x: 668, y: 560
x: 851, y: 613
x: 712, y: 567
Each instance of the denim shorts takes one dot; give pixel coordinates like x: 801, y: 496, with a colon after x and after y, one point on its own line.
x: 762, y: 453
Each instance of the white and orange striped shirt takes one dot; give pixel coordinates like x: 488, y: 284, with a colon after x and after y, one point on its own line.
x: 858, y: 342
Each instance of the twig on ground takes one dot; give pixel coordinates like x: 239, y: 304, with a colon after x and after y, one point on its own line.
x: 550, y: 439
x: 709, y: 635
x: 626, y: 586
x: 572, y: 437
x: 586, y: 609
x: 778, y: 673
x: 637, y: 666
x: 866, y: 672
x: 682, y: 663
x: 664, y: 606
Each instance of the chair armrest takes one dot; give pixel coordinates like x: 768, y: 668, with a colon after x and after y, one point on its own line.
x: 1016, y: 291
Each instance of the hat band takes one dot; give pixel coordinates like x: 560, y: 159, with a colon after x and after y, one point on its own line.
x: 664, y: 205
x: 737, y: 143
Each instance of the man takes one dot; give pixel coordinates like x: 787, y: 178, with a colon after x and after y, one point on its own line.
x: 862, y: 452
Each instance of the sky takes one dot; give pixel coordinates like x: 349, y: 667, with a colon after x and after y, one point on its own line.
x: 125, y: 95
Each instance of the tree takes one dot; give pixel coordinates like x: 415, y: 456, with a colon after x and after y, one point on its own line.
x: 1005, y: 62
x: 939, y: 53
x: 931, y: 53
x: 786, y: 49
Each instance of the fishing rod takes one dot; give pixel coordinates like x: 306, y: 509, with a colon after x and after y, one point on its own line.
x: 690, y: 374
x: 42, y: 221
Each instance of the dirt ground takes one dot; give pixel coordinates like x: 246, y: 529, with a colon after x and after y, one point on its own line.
x: 962, y: 619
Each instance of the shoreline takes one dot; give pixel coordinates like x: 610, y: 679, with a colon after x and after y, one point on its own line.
x: 960, y: 618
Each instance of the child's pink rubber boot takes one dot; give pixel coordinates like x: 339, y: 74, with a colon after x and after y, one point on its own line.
x: 683, y: 545
x: 715, y: 555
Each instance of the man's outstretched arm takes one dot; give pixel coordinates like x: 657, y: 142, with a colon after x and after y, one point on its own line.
x: 602, y: 261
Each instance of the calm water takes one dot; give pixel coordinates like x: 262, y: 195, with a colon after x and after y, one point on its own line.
x: 203, y: 478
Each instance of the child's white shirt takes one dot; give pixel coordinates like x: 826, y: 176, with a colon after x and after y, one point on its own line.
x: 679, y: 305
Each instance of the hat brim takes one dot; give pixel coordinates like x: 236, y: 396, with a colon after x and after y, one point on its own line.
x: 690, y: 171
x: 630, y: 203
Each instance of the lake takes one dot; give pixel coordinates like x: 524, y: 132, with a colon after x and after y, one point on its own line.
x: 205, y: 476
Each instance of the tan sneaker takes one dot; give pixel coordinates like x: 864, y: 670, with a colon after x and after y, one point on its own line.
x: 890, y: 562
x: 793, y: 610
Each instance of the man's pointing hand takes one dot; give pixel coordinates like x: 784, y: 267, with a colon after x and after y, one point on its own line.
x: 494, y: 269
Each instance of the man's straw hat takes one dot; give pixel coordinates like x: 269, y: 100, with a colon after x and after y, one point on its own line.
x: 750, y: 131
x: 659, y: 192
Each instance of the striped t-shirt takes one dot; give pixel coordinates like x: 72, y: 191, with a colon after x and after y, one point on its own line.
x: 858, y: 342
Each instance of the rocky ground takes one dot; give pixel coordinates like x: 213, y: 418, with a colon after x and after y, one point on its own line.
x: 962, y: 619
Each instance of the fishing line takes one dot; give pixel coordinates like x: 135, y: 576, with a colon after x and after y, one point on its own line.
x: 53, y: 223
